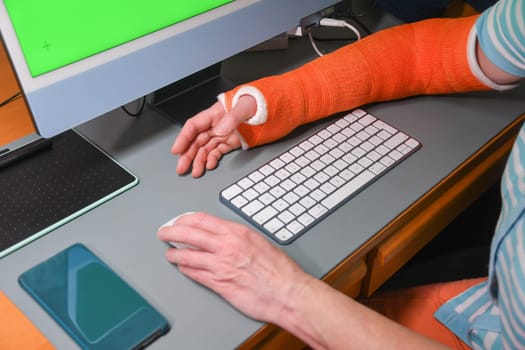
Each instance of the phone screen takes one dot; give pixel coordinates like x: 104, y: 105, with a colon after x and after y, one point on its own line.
x: 97, y: 308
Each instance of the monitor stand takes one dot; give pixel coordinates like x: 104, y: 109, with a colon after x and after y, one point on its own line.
x: 186, y: 97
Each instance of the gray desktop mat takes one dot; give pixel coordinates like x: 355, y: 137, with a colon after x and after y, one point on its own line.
x: 45, y: 191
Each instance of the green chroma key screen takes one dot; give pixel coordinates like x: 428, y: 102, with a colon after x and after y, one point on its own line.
x: 54, y: 33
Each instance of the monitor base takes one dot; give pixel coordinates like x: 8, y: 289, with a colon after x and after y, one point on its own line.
x: 186, y: 97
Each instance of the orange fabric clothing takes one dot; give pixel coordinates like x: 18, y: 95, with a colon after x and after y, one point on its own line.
x: 406, y: 60
x: 16, y: 330
x: 414, y: 308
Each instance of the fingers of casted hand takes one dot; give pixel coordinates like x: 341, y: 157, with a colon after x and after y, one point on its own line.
x: 194, y: 153
x: 219, y: 146
x: 199, y: 163
x: 187, y: 157
x: 213, y: 157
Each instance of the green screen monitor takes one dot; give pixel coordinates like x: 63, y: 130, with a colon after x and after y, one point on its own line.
x: 77, y: 60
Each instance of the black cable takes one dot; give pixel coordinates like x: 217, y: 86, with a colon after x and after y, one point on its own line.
x: 137, y: 113
x: 10, y: 99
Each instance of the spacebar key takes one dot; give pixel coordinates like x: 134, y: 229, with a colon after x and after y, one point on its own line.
x: 348, y: 189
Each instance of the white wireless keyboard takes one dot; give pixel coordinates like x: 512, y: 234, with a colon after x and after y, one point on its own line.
x: 295, y: 190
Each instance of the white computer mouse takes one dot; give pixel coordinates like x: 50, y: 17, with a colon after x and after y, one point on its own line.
x: 170, y: 223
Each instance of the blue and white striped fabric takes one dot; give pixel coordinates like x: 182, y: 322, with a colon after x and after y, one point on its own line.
x: 501, y: 35
x: 491, y: 315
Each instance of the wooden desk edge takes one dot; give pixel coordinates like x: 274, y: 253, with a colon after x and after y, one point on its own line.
x: 456, y: 191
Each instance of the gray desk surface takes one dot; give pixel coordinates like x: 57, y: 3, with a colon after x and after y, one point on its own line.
x: 123, y: 231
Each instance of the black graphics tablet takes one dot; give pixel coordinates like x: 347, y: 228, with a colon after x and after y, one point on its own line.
x: 42, y: 192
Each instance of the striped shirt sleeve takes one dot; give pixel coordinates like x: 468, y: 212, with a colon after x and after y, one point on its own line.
x: 509, y: 252
x: 501, y: 35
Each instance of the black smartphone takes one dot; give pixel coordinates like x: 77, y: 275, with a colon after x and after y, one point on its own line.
x: 92, y: 303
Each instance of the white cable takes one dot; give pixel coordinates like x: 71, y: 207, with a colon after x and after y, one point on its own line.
x: 353, y: 29
x: 319, y: 53
x: 331, y: 22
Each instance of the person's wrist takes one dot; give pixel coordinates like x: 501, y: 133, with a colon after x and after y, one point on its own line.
x: 292, y: 300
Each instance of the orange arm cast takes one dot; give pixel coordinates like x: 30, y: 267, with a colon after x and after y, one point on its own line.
x: 426, y: 57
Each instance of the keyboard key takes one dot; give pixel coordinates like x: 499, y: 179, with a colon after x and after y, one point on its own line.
x: 295, y: 227
x: 239, y: 201
x: 317, y: 194
x: 288, y: 184
x: 231, y: 191
x: 358, y: 112
x: 291, y: 197
x: 311, y: 184
x: 261, y: 187
x: 283, y: 235
x: 301, y: 191
x: 273, y: 225
x: 297, y: 209
x: 315, y: 139
x: 252, y: 207
x: 256, y: 176
x: 341, y: 123
x: 297, y: 151
x: 245, y: 183
x: 292, y: 168
x: 250, y: 194
x: 412, y: 143
x: 324, y: 134
x: 287, y: 157
x: 266, y: 198
x: 282, y: 174
x: 348, y: 189
x: 271, y: 180
x: 306, y: 145
x: 280, y: 204
x: 266, y: 170
x: 286, y: 216
x: 277, y: 163
x: 367, y: 119
x: 317, y: 211
x: 377, y: 168
x: 307, y: 202
x: 395, y: 140
x: 298, y: 178
x: 265, y: 215
x: 306, y: 219
x: 277, y: 191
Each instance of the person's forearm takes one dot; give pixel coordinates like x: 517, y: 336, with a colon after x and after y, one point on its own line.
x: 327, y: 319
x: 492, y: 71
